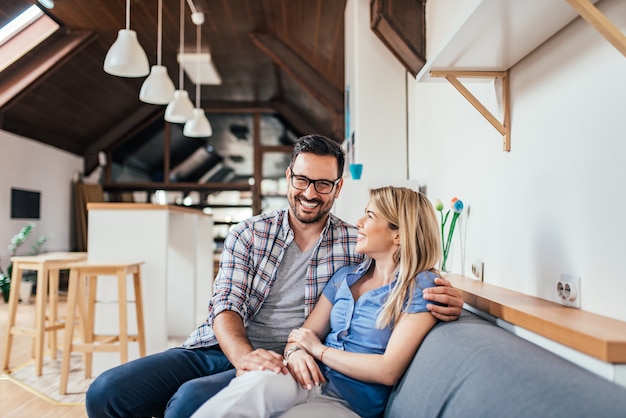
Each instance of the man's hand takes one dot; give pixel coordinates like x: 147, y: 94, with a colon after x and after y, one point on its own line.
x: 261, y: 359
x: 451, y: 298
x: 233, y: 340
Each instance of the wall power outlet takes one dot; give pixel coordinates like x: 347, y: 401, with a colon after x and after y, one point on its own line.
x: 478, y: 269
x: 568, y: 290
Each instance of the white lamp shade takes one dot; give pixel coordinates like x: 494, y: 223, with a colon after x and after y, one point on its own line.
x: 198, y: 126
x: 179, y: 110
x: 158, y: 88
x: 126, y: 57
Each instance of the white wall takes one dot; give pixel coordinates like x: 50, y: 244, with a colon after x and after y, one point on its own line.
x: 26, y: 164
x: 554, y: 203
x: 378, y: 103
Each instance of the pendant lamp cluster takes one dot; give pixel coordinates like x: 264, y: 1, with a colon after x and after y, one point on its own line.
x: 126, y: 58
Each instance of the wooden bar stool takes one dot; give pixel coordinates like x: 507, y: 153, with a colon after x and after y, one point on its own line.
x: 47, y: 267
x: 82, y: 294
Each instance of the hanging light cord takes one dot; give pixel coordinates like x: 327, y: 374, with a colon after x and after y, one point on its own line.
x: 192, y: 6
x: 127, y: 14
x: 160, y: 30
x: 181, y: 76
x: 198, y: 68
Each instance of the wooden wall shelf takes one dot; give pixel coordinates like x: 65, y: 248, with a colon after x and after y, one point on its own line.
x: 597, y: 336
x: 497, y: 34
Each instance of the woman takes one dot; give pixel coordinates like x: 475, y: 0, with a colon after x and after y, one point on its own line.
x: 371, y: 317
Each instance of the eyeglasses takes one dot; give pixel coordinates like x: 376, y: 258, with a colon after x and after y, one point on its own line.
x: 321, y: 186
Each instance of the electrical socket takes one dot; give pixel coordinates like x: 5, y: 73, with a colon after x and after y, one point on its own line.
x: 478, y: 269
x: 568, y: 290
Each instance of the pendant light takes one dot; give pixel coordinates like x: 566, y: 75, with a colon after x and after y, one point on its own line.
x: 126, y: 57
x: 198, y: 126
x: 158, y: 87
x: 180, y: 110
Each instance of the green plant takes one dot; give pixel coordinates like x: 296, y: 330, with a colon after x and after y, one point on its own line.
x: 16, y: 241
x: 456, y: 206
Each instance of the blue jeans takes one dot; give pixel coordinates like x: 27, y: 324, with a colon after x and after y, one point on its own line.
x: 173, y: 383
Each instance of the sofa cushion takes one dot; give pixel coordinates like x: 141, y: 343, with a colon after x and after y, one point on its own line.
x: 473, y: 368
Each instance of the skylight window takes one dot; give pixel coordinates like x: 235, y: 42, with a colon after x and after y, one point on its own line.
x: 23, y: 33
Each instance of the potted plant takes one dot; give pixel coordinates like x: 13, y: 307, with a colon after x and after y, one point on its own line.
x: 28, y: 279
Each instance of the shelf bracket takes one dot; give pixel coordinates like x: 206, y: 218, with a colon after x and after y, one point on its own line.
x: 503, y: 127
x: 602, y: 24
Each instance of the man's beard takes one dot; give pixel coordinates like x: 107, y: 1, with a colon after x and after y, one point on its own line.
x: 323, y: 211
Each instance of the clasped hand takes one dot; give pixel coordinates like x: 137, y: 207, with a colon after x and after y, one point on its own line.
x: 261, y: 359
x: 302, y: 364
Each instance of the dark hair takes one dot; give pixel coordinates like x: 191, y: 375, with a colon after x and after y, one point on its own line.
x: 319, y: 145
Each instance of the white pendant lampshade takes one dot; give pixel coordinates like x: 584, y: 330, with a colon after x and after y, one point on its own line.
x: 126, y: 57
x: 179, y: 110
x: 198, y: 126
x: 158, y: 88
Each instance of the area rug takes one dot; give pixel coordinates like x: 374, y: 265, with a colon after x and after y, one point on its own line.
x: 47, y: 385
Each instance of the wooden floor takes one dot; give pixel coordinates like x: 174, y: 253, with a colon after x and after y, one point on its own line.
x: 16, y: 402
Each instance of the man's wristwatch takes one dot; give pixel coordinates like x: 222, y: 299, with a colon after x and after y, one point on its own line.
x: 290, y: 351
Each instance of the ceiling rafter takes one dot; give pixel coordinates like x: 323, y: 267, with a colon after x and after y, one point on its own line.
x: 33, y: 70
x: 142, y: 117
x: 298, y: 122
x: 316, y: 85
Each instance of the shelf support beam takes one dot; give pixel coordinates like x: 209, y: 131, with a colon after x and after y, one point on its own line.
x: 602, y: 24
x: 503, y: 127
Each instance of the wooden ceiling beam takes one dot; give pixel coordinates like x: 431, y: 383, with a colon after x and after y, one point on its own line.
x: 298, y: 122
x: 316, y: 85
x: 152, y: 186
x: 401, y: 26
x: 35, y: 67
x: 125, y: 129
x: 238, y: 107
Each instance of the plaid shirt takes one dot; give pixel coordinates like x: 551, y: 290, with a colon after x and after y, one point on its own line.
x: 249, y: 264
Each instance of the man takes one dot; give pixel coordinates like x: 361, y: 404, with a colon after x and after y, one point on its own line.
x: 272, y: 270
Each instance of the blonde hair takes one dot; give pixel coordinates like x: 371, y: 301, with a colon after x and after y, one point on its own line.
x: 412, y: 214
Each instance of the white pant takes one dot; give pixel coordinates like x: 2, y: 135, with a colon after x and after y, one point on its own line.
x: 265, y: 394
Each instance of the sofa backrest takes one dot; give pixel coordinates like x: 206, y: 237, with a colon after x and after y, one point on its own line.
x: 473, y: 368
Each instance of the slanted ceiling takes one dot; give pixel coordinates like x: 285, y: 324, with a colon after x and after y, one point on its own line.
x: 282, y: 58
x: 277, y: 55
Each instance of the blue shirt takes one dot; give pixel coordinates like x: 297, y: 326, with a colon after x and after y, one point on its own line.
x: 353, y: 328
x: 249, y: 263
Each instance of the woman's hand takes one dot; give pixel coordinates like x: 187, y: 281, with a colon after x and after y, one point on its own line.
x: 305, y: 370
x: 307, y: 339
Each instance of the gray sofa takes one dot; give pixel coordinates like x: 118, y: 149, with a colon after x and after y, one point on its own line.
x: 472, y: 368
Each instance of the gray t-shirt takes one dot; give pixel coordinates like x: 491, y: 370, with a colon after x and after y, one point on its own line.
x: 283, y: 309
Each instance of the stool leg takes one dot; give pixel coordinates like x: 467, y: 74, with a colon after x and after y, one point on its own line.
x: 72, y: 294
x: 122, y: 301
x: 53, y: 290
x: 141, y: 337
x: 16, y: 280
x: 40, y: 317
x: 89, y: 322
